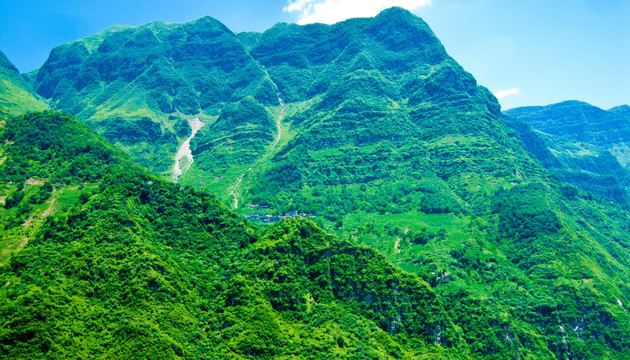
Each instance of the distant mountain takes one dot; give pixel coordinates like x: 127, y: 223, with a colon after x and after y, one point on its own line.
x: 370, y: 127
x: 591, y: 145
x: 622, y: 110
x: 16, y: 95
x: 580, y: 121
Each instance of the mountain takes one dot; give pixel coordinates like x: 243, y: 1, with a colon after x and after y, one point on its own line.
x: 372, y: 128
x: 581, y: 122
x: 16, y: 95
x: 134, y: 85
x: 117, y: 263
x: 393, y: 63
x: 589, y: 144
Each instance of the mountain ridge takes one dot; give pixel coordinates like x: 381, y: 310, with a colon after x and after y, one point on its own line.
x: 16, y: 95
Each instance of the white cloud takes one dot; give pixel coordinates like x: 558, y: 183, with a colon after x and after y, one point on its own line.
x: 298, y: 5
x: 333, y: 11
x: 507, y: 92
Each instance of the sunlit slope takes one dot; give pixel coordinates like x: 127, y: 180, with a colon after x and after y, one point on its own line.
x: 16, y: 96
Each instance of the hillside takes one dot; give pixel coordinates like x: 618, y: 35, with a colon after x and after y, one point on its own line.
x: 16, y: 94
x: 372, y: 128
x: 127, y: 265
x: 589, y: 144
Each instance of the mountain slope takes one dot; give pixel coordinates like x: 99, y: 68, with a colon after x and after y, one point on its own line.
x: 16, y: 95
x: 588, y: 143
x: 581, y: 122
x: 399, y: 148
x: 136, y: 266
x: 377, y: 100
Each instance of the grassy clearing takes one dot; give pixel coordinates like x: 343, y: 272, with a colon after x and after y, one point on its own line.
x: 15, y: 236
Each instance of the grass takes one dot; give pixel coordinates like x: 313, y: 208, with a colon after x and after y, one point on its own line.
x: 397, y: 250
x: 15, y: 99
x: 414, y: 220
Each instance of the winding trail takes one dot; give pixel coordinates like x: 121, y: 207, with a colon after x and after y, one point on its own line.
x: 234, y: 188
x: 184, y: 151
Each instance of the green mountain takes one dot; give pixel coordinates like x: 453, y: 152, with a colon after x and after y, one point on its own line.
x: 589, y: 145
x: 371, y: 127
x: 122, y: 264
x: 581, y: 122
x: 16, y: 94
x: 137, y: 85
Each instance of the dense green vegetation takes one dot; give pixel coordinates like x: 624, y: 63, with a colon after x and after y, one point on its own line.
x: 238, y: 135
x: 140, y: 266
x: 48, y: 161
x: 414, y: 159
x: 384, y: 138
x: 49, y: 146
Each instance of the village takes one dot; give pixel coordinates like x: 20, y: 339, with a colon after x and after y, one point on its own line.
x: 260, y: 216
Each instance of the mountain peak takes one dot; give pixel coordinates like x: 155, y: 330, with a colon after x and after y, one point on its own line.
x: 397, y: 15
x: 396, y: 11
x: 621, y: 109
x: 574, y: 103
x: 557, y: 108
x: 209, y: 23
x: 403, y: 31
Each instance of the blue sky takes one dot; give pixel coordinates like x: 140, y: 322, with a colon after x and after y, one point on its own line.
x: 528, y: 52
